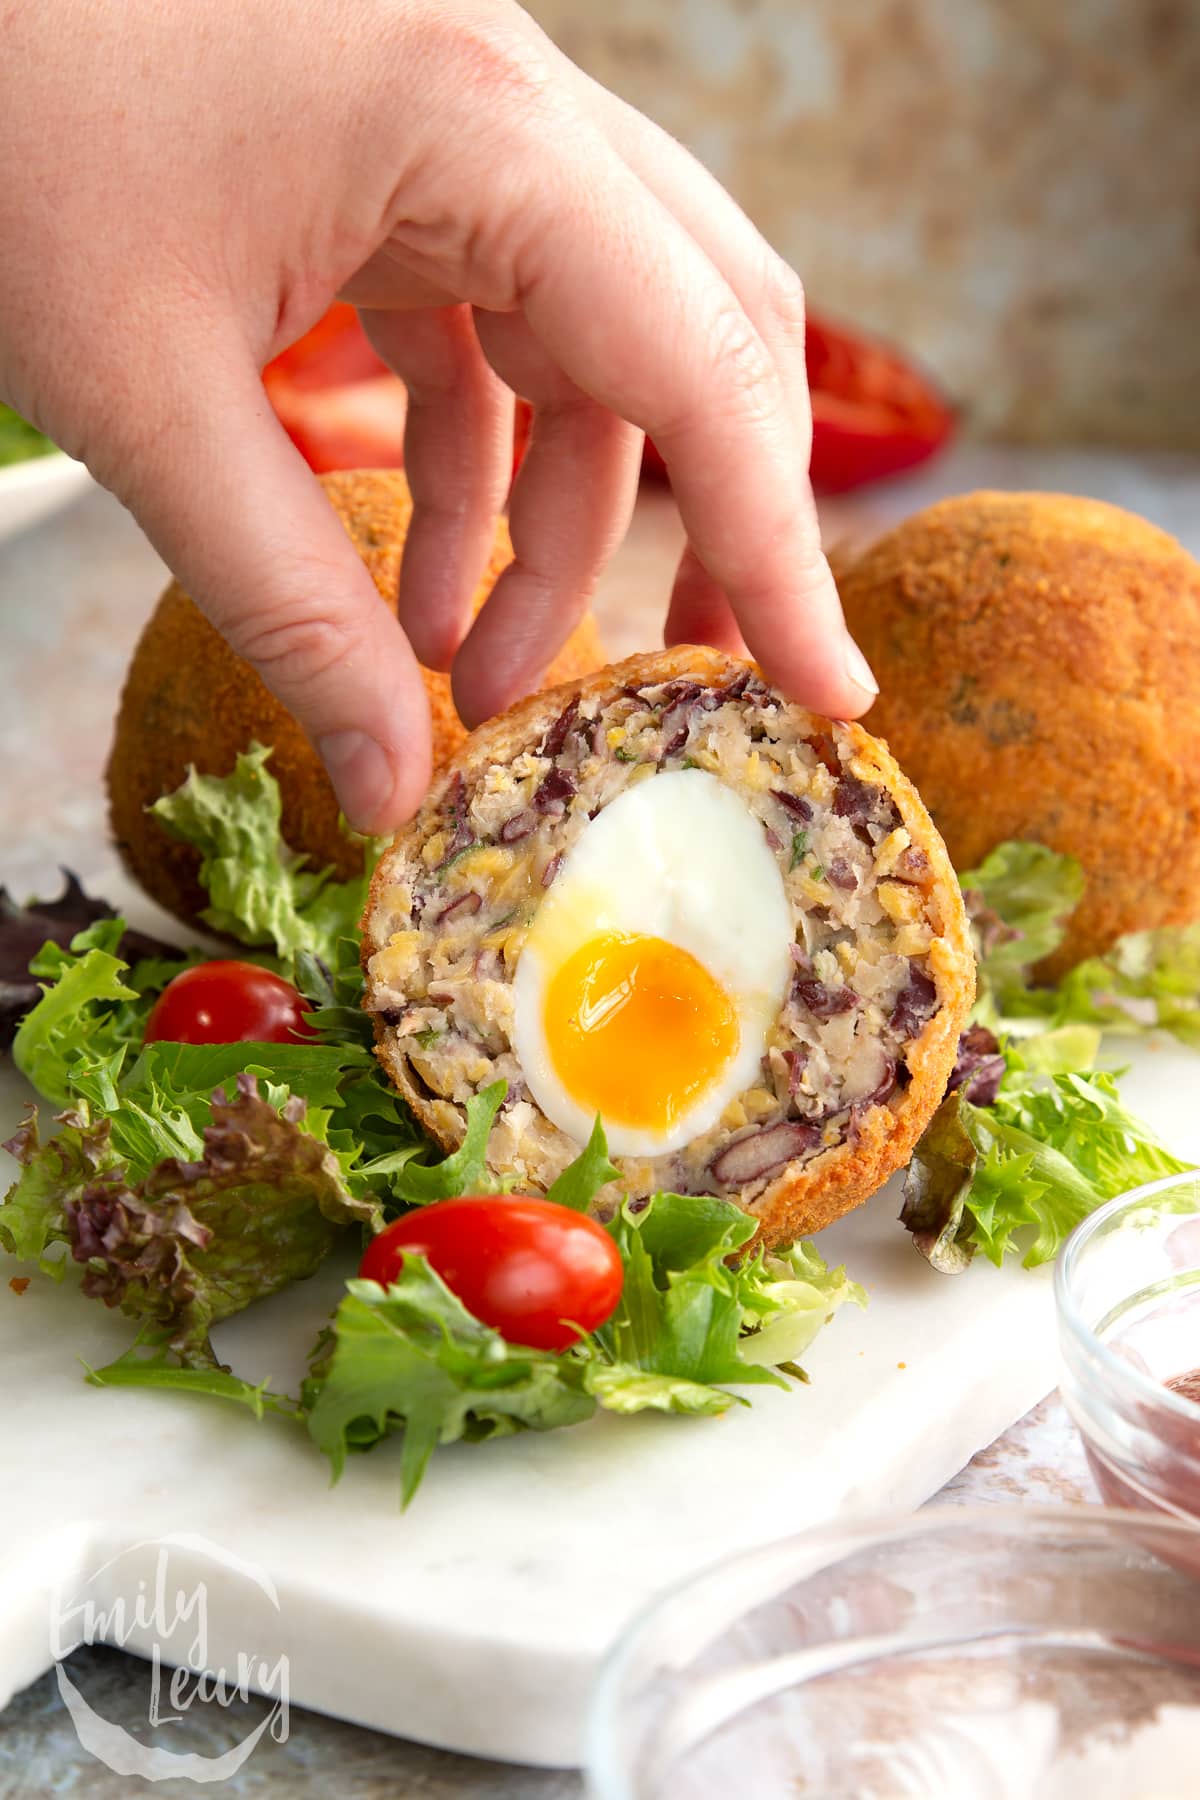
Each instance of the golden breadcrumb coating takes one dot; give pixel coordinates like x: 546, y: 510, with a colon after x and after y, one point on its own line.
x: 1039, y: 660
x: 788, y: 1203
x: 188, y: 699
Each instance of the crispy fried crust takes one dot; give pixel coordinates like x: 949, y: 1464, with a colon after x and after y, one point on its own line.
x: 188, y: 699
x: 803, y: 1198
x: 1039, y: 660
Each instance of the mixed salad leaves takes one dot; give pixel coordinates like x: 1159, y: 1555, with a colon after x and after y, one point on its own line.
x: 1019, y: 900
x: 1031, y: 1138
x: 188, y: 1179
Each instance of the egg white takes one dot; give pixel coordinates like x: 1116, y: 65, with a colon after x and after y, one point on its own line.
x: 678, y: 857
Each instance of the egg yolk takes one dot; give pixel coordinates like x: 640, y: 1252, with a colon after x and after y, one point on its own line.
x: 637, y: 1029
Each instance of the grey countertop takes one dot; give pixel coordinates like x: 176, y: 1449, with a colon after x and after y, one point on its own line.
x: 73, y: 596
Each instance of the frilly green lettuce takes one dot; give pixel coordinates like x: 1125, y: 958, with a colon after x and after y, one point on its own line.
x: 1019, y: 900
x: 260, y: 891
x: 189, y: 1243
x: 84, y: 1001
x: 412, y: 1356
x: 690, y: 1325
x: 693, y: 1323
x: 1022, y: 1172
x: 1019, y: 1175
x: 1149, y: 980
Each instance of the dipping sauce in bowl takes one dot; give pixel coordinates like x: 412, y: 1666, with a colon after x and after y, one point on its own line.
x: 1127, y: 1288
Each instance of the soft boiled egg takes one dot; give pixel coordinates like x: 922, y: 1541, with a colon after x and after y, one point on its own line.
x: 654, y: 967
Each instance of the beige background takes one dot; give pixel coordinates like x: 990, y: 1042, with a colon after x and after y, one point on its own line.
x: 1009, y: 187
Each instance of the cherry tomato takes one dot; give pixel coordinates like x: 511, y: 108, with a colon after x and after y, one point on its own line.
x: 874, y: 414
x: 529, y: 1268
x: 344, y: 409
x: 228, y: 1003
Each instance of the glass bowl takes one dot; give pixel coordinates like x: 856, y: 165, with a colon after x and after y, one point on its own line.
x: 1127, y: 1287
x: 995, y: 1654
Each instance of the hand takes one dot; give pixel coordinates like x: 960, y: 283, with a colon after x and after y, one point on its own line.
x: 183, y: 190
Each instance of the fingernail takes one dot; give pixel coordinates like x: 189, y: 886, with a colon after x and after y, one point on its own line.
x: 858, y: 669
x: 362, y: 776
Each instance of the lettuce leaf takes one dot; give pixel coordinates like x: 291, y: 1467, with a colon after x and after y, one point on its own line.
x: 83, y: 1042
x: 787, y: 1296
x: 260, y: 891
x: 937, y: 1183
x: 679, y: 1312
x: 624, y: 1388
x: 189, y: 1243
x: 26, y: 930
x: 1019, y: 1175
x: 579, y: 1184
x: 691, y: 1324
x: 688, y: 1311
x: 184, y: 1206
x: 150, y: 1362
x: 75, y: 1012
x: 1149, y: 980
x: 184, y: 1203
x: 333, y: 985
x: 417, y: 1180
x: 54, y: 1177
x: 1018, y: 902
x: 1069, y: 1049
x: 92, y: 1009
x: 412, y: 1356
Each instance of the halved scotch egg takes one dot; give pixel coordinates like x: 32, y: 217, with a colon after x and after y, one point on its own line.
x: 668, y: 897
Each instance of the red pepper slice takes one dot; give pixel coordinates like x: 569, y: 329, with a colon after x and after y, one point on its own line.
x: 337, y: 400
x: 335, y: 350
x: 874, y: 414
x: 357, y: 425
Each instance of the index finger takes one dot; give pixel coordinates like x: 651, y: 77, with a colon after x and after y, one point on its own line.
x: 639, y: 317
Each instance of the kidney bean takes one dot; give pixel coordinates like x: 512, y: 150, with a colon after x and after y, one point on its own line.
x: 750, y: 1158
x: 825, y: 1002
x: 518, y: 826
x: 462, y: 908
